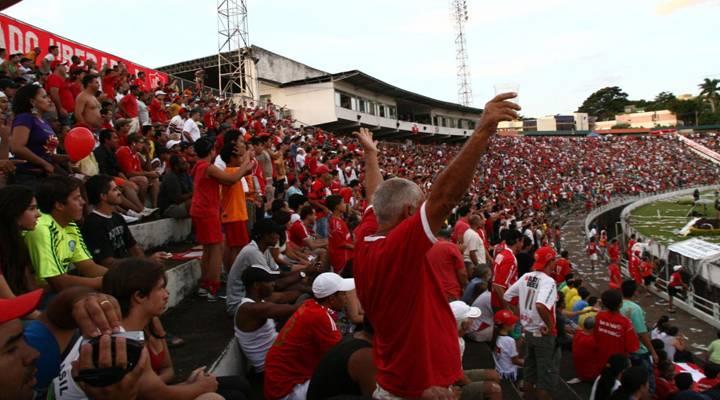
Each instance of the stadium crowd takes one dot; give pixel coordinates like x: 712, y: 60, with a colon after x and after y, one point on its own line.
x: 349, y: 267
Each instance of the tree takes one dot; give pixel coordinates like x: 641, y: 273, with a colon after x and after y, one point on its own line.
x: 709, y: 92
x: 663, y: 101
x: 605, y: 103
x: 686, y: 111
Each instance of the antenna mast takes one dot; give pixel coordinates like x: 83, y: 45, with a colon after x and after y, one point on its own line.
x: 460, y: 15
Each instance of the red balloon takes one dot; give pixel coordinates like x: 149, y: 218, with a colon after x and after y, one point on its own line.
x: 79, y: 143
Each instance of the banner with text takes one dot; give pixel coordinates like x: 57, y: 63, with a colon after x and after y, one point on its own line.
x: 20, y: 37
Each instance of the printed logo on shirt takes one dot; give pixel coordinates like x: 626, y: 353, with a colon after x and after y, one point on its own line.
x: 71, y: 245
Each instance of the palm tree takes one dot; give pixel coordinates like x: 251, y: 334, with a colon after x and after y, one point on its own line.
x: 709, y: 91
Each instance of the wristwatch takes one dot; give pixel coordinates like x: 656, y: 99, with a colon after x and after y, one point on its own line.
x: 303, y: 275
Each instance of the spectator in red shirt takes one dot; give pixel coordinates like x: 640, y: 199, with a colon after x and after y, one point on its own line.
x: 461, y: 225
x: 675, y: 286
x: 128, y: 107
x: 110, y: 79
x: 301, y: 233
x: 615, y: 276
x: 445, y: 257
x: 562, y: 267
x: 665, y: 380
x: 421, y: 357
x: 505, y: 270
x: 131, y: 164
x: 614, y: 332
x: 614, y: 251
x: 318, y: 191
x: 157, y: 108
x: 584, y: 352
x: 305, y: 338
x: 340, y: 243
x: 74, y: 84
x: 711, y: 378
x: 59, y: 90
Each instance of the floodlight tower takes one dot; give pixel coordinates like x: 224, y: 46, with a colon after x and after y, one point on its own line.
x: 236, y: 64
x: 459, y: 11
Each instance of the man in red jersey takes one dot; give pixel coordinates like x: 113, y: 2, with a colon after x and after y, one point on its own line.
x: 446, y: 257
x: 615, y: 276
x: 505, y: 270
x: 418, y: 356
x: 614, y: 251
x: 562, y: 267
x: 304, y: 339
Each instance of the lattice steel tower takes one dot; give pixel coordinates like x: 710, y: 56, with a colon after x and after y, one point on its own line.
x: 236, y: 69
x: 460, y: 15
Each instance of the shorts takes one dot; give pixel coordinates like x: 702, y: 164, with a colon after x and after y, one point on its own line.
x: 593, y: 257
x: 649, y: 280
x: 208, y: 230
x: 541, y: 366
x: 673, y: 291
x: 236, y: 233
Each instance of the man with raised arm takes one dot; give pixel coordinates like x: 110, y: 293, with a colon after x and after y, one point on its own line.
x: 416, y: 347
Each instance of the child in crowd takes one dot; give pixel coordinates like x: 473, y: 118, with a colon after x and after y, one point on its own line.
x: 584, y: 352
x: 592, y: 252
x: 664, y: 380
x: 507, y: 359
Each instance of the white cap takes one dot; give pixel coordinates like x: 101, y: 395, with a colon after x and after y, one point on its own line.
x: 329, y: 283
x: 172, y: 143
x: 462, y: 311
x: 159, y: 93
x: 266, y: 269
x: 677, y: 268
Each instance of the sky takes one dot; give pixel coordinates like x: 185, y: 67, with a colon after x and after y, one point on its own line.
x: 556, y: 52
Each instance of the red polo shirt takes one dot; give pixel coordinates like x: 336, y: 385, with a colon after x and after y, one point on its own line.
x: 339, y: 236
x: 505, y: 273
x: 128, y: 161
x: 416, y: 342
x: 297, y: 233
x: 447, y: 259
x: 614, y: 334
x: 129, y: 105
x: 66, y: 97
x: 584, y: 353
x: 303, y: 341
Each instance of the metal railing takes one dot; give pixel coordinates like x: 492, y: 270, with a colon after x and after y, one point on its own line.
x: 698, y: 306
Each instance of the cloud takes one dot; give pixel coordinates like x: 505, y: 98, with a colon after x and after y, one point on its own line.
x: 671, y: 6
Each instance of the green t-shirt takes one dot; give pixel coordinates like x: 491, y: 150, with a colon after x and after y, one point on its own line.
x: 636, y: 315
x: 53, y: 249
x: 714, y: 351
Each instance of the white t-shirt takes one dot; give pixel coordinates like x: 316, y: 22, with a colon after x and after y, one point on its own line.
x: 484, y: 303
x: 191, y: 127
x: 532, y: 288
x: 64, y: 386
x: 473, y: 242
x: 505, y: 350
x: 143, y: 114
x: 49, y: 57
x: 176, y: 125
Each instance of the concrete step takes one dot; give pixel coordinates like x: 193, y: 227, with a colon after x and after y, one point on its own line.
x: 161, y: 232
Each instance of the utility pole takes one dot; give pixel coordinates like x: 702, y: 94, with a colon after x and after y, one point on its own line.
x: 460, y: 16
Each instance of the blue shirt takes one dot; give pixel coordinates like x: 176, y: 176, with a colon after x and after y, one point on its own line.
x: 579, y: 306
x: 467, y: 296
x: 39, y: 337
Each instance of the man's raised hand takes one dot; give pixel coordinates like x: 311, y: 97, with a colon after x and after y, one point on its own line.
x: 496, y: 110
x: 365, y: 137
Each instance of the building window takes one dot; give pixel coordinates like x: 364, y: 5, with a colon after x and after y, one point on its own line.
x: 371, y: 108
x: 343, y: 100
x: 354, y: 103
x: 363, y: 105
x: 393, y: 112
x: 381, y: 110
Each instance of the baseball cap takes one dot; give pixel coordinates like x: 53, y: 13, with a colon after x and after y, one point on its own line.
x: 329, y: 283
x: 172, y: 143
x: 322, y: 169
x: 257, y: 273
x: 543, y: 255
x: 677, y: 268
x: 19, y: 306
x: 159, y: 93
x: 462, y: 311
x: 505, y: 317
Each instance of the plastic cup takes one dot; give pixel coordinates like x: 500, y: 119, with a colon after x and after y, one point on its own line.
x: 508, y: 88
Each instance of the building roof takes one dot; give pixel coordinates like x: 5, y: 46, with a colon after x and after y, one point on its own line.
x: 365, y: 81
x: 623, y: 131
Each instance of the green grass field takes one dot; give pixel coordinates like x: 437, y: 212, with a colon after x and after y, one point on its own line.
x: 662, y: 220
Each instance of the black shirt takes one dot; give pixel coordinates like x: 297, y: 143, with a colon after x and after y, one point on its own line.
x: 172, y: 187
x: 525, y: 261
x: 107, y: 163
x: 107, y: 236
x: 331, y: 377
